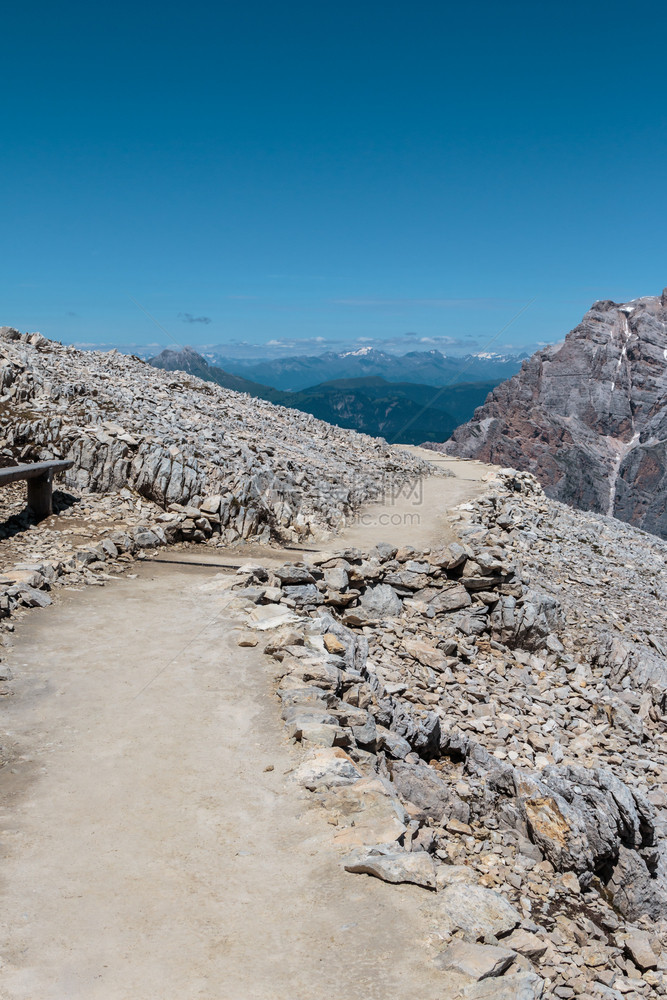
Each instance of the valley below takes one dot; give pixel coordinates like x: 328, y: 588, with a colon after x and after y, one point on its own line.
x: 402, y: 412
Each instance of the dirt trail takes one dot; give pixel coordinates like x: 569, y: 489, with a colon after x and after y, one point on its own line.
x: 147, y: 853
x: 416, y: 513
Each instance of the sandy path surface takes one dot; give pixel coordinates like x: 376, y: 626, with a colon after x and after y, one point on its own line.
x: 416, y: 513
x: 147, y: 853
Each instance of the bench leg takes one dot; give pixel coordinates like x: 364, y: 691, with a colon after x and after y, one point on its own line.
x: 40, y: 496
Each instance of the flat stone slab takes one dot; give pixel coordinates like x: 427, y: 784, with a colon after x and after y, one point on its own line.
x: 326, y: 768
x: 476, y: 910
x: 517, y: 986
x: 479, y: 961
x: 269, y: 616
x: 450, y: 874
x: 368, y: 814
x: 525, y: 943
x: 638, y: 946
x: 395, y: 867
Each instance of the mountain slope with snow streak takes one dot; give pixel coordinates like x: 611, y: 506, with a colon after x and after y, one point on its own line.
x: 589, y: 416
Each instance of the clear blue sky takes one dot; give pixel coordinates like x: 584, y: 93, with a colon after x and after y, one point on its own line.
x: 341, y: 171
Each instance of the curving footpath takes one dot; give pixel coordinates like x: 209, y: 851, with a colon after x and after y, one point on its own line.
x: 153, y: 844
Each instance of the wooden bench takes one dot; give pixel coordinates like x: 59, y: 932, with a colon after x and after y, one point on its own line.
x: 40, y: 483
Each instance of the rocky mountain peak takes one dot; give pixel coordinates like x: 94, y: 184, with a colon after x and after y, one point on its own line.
x: 589, y: 416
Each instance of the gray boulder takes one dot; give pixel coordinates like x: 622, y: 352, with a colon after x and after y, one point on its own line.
x: 422, y: 732
x: 306, y: 594
x: 516, y: 986
x: 632, y: 664
x: 420, y: 785
x: 451, y: 598
x: 395, y: 866
x: 291, y: 574
x: 478, y: 961
x: 477, y: 911
x: 637, y: 891
x: 381, y: 601
x: 527, y: 623
x: 580, y: 817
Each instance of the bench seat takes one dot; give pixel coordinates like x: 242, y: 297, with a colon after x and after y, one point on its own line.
x: 39, y: 476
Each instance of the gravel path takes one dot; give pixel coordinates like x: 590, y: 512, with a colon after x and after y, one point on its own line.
x: 148, y: 850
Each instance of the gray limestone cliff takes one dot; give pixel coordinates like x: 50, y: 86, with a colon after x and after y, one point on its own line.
x: 588, y: 417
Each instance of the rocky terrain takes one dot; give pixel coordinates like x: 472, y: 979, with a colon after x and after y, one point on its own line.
x: 484, y: 720
x: 264, y: 471
x: 487, y: 721
x: 589, y: 417
x: 162, y: 458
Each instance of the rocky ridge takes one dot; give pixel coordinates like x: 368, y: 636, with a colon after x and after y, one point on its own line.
x: 487, y: 722
x: 248, y: 468
x: 588, y: 417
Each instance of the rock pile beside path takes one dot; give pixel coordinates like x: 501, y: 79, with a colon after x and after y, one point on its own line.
x: 217, y: 461
x: 87, y: 539
x: 472, y: 733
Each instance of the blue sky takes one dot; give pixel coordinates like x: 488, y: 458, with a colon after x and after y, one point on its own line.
x: 313, y: 174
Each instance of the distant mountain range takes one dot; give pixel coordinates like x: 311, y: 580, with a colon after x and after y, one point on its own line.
x: 422, y: 367
x: 189, y: 360
x: 400, y: 411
